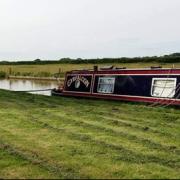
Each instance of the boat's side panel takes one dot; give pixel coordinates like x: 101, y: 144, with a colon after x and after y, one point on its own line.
x: 127, y: 87
x: 133, y: 85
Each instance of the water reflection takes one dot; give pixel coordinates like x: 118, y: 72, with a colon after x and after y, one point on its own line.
x: 26, y: 85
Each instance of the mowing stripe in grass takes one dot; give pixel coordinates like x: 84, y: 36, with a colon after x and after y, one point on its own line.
x: 86, y: 124
x: 35, y: 159
x: 155, y: 119
x: 125, y: 154
x: 13, y: 167
x: 126, y: 123
x: 113, y: 133
x: 133, y: 125
x: 147, y: 122
x: 123, y: 112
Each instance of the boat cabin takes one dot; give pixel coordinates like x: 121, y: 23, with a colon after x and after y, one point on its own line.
x: 151, y: 85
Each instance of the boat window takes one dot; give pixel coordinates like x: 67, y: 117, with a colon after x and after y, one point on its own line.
x: 106, y: 85
x: 163, y: 87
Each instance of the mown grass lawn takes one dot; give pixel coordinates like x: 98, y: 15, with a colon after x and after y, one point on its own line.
x: 58, y: 137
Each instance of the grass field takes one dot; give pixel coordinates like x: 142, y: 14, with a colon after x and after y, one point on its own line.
x: 50, y: 137
x: 49, y: 70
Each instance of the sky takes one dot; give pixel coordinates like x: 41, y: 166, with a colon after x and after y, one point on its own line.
x: 54, y: 29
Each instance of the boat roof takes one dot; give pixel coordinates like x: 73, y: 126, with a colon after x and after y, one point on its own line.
x: 126, y: 70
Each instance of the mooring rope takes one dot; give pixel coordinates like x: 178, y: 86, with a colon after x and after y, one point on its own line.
x: 177, y: 95
x: 166, y: 105
x: 38, y: 90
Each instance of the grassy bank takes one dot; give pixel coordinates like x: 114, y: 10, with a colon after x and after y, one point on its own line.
x: 50, y: 137
x: 48, y: 70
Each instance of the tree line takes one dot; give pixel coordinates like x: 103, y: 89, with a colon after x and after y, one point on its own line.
x: 172, y: 58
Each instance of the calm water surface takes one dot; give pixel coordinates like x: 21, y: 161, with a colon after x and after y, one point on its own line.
x: 26, y: 85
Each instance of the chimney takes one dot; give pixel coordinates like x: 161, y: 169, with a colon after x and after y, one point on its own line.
x: 95, y: 68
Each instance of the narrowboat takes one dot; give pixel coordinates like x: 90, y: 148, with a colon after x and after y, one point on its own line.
x: 151, y: 85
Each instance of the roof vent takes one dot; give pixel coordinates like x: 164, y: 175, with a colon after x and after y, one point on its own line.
x: 156, y: 67
x: 120, y: 67
x: 107, y: 67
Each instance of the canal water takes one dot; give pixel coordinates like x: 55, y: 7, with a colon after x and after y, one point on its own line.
x: 28, y: 85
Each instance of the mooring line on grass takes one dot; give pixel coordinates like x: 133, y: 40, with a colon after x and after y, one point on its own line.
x: 37, y: 90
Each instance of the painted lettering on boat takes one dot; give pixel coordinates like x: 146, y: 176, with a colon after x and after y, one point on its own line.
x: 77, y: 80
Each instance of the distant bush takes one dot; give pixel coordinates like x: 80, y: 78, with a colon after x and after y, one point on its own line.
x: 58, y: 75
x: 2, y: 74
x: 16, y: 73
x: 26, y: 74
x: 43, y: 74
